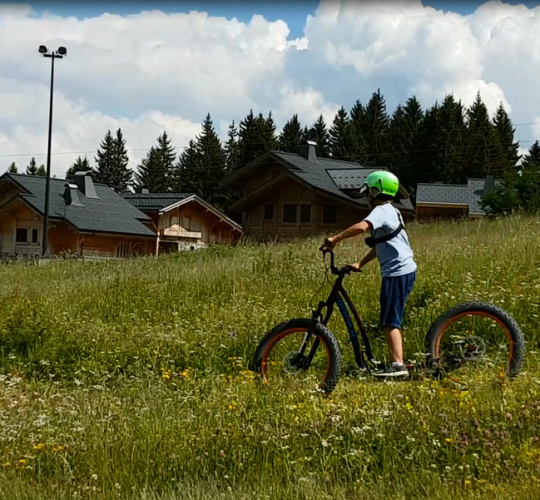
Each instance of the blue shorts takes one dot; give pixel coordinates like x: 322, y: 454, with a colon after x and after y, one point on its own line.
x: 394, y: 293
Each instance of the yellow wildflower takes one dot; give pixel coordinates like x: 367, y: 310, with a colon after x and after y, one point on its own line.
x: 184, y: 373
x: 39, y: 447
x: 23, y: 461
x: 58, y: 448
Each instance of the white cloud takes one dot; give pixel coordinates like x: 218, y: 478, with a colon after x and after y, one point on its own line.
x: 154, y: 71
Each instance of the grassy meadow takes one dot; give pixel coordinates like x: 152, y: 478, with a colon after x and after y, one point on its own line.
x: 130, y: 379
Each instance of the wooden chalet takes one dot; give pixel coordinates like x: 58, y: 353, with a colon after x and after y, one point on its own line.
x: 287, y: 195
x: 449, y: 201
x: 86, y: 218
x: 183, y: 220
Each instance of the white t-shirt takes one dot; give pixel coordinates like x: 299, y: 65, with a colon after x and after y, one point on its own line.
x: 395, y: 256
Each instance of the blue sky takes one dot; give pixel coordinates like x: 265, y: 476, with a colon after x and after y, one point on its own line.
x: 293, y: 12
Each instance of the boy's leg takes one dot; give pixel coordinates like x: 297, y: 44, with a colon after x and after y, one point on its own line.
x: 394, y: 293
x: 395, y: 343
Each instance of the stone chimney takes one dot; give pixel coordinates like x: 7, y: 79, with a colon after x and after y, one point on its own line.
x: 145, y: 190
x: 308, y: 149
x: 71, y: 195
x: 489, y: 184
x: 84, y: 183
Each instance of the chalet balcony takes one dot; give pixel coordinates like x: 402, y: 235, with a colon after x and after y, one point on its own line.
x: 181, y: 233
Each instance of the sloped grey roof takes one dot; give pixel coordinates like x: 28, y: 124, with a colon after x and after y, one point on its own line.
x: 110, y: 213
x: 464, y: 194
x: 329, y: 175
x: 154, y: 201
x: 350, y: 178
x: 475, y: 188
x: 442, y: 193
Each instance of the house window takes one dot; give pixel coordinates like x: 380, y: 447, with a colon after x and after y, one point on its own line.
x: 122, y: 250
x: 305, y: 214
x: 289, y: 213
x: 329, y: 214
x: 21, y: 236
x: 35, y: 235
x: 268, y: 212
x: 186, y: 222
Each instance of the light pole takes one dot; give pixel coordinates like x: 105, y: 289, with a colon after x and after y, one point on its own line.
x: 59, y: 54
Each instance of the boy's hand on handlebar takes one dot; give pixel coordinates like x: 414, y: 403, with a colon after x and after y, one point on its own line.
x: 328, y: 244
x: 354, y: 268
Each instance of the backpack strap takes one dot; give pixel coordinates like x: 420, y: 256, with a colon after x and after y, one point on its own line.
x: 371, y: 242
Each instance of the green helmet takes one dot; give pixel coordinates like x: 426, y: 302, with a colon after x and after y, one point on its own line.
x: 380, y: 182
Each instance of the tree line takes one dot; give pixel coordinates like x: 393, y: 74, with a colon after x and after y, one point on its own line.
x: 447, y: 142
x: 31, y: 169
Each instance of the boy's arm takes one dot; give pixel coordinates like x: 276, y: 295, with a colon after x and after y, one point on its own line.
x: 367, y: 258
x: 354, y: 230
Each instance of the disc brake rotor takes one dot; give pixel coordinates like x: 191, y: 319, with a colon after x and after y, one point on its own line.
x: 288, y: 363
x: 474, y: 348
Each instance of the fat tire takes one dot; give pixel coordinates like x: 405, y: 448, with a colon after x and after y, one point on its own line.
x: 518, y: 338
x: 328, y: 384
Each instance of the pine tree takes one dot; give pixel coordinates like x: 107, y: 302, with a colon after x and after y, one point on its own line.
x: 479, y: 140
x: 12, y: 169
x: 339, y: 135
x: 122, y: 173
x: 247, y: 136
x: 201, y: 167
x: 186, y: 172
x: 532, y: 158
x: 104, y: 172
x: 375, y: 130
x: 452, y: 132
x: 405, y: 141
x: 505, y: 131
x: 431, y: 152
x: 291, y: 136
x: 79, y: 165
x: 112, y: 163
x: 232, y: 150
x: 356, y: 141
x: 41, y: 171
x: 266, y: 128
x: 256, y: 136
x: 154, y: 172
x: 306, y: 134
x: 32, y: 168
x: 498, y: 163
x: 212, y: 162
x: 319, y: 134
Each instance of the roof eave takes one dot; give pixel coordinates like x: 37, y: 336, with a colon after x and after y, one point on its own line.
x: 251, y: 166
x: 440, y: 204
x: 206, y: 205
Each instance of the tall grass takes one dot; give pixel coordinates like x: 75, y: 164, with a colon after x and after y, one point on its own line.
x: 129, y: 379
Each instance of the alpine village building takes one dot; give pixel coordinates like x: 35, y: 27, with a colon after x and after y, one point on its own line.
x: 283, y: 196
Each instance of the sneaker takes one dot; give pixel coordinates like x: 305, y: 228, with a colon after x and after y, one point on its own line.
x: 393, y: 370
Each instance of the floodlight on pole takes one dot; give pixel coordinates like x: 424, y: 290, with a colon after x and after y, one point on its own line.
x: 59, y: 54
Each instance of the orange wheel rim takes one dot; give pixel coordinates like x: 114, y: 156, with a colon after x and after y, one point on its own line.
x: 277, y: 338
x: 453, y: 319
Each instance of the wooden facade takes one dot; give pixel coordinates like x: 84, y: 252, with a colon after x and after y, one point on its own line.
x: 283, y: 195
x: 191, y: 223
x: 21, y: 233
x: 290, y: 210
x: 440, y: 211
x: 184, y: 221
